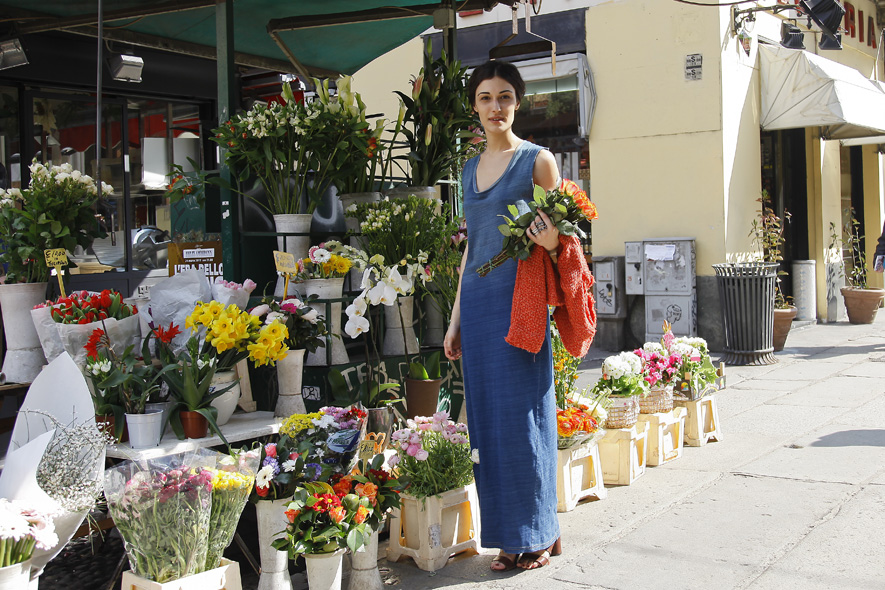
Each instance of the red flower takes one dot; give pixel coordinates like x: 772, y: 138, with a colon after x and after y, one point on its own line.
x: 165, y: 335
x: 262, y: 491
x: 93, y: 342
x: 292, y: 514
x: 337, y: 513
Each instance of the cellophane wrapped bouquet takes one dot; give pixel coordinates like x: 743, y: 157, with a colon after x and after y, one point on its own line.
x: 162, y: 508
x: 579, y: 416
x: 328, y: 438
x: 232, y: 482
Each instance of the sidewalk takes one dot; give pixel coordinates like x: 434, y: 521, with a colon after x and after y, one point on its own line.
x: 793, y: 497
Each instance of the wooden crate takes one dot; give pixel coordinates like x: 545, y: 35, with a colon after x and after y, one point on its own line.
x: 665, y: 434
x: 432, y: 530
x: 225, y: 577
x: 701, y: 421
x: 578, y: 476
x: 623, y: 453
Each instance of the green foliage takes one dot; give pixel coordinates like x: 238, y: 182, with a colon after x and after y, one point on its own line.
x: 768, y: 236
x: 856, y: 273
x: 369, y: 393
x: 437, y: 120
x: 431, y: 370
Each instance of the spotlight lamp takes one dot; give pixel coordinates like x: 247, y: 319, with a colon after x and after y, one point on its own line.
x: 125, y: 68
x: 12, y: 54
x: 826, y: 14
x: 792, y: 36
x: 827, y: 42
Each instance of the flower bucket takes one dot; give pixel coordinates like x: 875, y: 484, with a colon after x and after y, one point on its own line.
x: 659, y: 399
x: 394, y: 345
x: 194, y: 424
x: 145, y: 430
x: 290, y: 371
x: 380, y: 421
x: 327, y: 289
x: 24, y: 354
x: 294, y: 245
x: 16, y: 576
x: 324, y: 570
x: 271, y: 517
x: 226, y: 403
x: 623, y: 412
x: 364, y: 574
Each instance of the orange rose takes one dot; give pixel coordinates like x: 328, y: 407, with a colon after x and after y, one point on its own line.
x: 368, y: 490
x: 361, y: 513
x: 337, y: 513
x: 342, y: 488
x: 292, y: 514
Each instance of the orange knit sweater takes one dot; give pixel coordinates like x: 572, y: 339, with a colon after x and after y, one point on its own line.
x: 569, y: 288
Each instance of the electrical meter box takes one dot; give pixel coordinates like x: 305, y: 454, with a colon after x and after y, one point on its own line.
x: 608, y: 288
x: 668, y: 266
x: 681, y: 311
x: 633, y: 268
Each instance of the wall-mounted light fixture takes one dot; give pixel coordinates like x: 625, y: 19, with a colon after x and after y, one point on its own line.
x: 792, y: 36
x: 827, y: 14
x: 12, y: 54
x: 827, y: 42
x: 125, y: 68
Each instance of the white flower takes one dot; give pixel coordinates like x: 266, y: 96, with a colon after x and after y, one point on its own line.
x: 356, y: 325
x: 382, y: 293
x: 66, y: 168
x: 274, y: 316
x: 357, y: 308
x: 106, y: 189
x: 289, y: 465
x: 14, y: 193
x: 264, y: 476
x: 651, y: 347
x: 291, y: 301
x: 321, y: 256
x: 61, y: 177
x: 474, y: 456
x: 260, y: 310
x: 311, y: 316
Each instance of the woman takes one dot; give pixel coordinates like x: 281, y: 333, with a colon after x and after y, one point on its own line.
x: 511, y: 405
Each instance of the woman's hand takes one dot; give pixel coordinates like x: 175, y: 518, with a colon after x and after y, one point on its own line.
x: 543, y: 232
x: 452, y: 342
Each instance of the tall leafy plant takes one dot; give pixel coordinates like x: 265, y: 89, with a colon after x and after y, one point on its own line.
x: 849, y: 236
x: 768, y: 237
x: 437, y: 120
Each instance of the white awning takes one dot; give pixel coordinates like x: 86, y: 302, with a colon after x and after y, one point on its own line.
x: 800, y: 89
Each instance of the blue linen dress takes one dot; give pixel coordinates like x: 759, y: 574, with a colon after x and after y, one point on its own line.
x: 511, y: 405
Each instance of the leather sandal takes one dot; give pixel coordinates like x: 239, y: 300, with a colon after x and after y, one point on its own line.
x: 507, y: 561
x: 533, y: 561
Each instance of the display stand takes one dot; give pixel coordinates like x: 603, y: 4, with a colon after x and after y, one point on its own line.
x: 578, y: 476
x: 623, y: 452
x: 224, y: 577
x: 702, y: 421
x: 665, y: 433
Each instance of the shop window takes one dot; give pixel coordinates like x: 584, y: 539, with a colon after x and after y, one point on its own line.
x: 10, y: 139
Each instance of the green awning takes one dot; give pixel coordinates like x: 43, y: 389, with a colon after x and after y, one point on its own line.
x: 309, y: 28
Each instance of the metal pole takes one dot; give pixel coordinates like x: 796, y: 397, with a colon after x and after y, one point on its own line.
x: 98, y: 85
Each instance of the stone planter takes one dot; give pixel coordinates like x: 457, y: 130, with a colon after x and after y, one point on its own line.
x: 394, y: 340
x: 24, y: 354
x: 294, y: 245
x: 861, y: 305
x: 290, y: 370
x: 364, y: 574
x: 435, y: 323
x: 324, y: 570
x: 327, y: 289
x: 272, y: 521
x: 226, y: 403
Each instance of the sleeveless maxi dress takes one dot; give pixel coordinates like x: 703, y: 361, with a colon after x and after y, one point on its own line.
x: 511, y: 406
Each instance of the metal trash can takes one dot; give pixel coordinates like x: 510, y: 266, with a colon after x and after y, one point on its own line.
x: 746, y: 293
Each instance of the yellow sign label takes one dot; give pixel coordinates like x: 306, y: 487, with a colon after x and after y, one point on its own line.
x: 285, y: 262
x: 366, y: 450
x: 56, y: 257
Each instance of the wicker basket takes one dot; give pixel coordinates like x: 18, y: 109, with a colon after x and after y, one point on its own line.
x: 658, y: 400
x: 623, y: 413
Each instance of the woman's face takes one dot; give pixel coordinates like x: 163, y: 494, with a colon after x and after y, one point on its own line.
x: 496, y: 104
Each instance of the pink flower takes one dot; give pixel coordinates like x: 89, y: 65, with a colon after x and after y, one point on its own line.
x: 293, y: 456
x: 249, y: 285
x: 421, y: 455
x: 271, y: 450
x: 413, y: 450
x: 260, y: 310
x: 393, y: 461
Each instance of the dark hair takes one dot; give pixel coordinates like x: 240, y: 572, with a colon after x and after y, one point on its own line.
x: 495, y: 69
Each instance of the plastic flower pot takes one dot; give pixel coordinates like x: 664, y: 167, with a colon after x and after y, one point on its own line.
x: 194, y: 424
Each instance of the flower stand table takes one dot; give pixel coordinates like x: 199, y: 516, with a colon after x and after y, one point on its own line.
x: 432, y: 530
x: 224, y: 577
x: 578, y: 476
x: 665, y: 433
x: 623, y: 454
x: 701, y: 422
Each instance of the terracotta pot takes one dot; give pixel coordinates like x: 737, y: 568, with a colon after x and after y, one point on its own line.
x: 108, y: 424
x: 783, y: 320
x: 194, y: 424
x: 862, y: 304
x: 422, y: 396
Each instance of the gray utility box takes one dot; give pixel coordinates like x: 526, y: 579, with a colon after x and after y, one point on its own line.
x: 611, y: 302
x: 669, y: 284
x: 633, y: 268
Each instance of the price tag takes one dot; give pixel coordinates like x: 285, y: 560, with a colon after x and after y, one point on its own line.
x: 285, y: 264
x: 57, y: 258
x: 366, y: 450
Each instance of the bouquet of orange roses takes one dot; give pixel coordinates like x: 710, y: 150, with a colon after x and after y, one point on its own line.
x: 566, y: 206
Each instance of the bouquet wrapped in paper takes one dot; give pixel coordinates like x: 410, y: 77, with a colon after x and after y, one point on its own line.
x: 162, y: 508
x: 232, y: 483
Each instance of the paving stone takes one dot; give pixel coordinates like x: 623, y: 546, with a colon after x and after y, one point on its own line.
x: 839, y: 391
x: 780, y: 421
x: 805, y: 371
x: 870, y: 369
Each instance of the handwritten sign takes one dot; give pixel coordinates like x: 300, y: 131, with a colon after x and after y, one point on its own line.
x: 366, y: 450
x: 285, y: 264
x: 57, y: 258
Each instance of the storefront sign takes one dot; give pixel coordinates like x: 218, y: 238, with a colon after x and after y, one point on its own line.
x: 205, y: 256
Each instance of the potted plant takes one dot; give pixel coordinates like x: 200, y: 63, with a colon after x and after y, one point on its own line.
x: 861, y: 301
x: 55, y: 211
x: 422, y: 386
x: 436, y: 122
x: 305, y: 328
x: 623, y: 382
x: 433, y: 456
x: 660, y: 369
x: 768, y: 236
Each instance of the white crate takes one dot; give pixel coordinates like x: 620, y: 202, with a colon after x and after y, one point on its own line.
x: 622, y: 452
x: 665, y: 433
x: 702, y: 421
x: 431, y: 530
x: 578, y: 476
x: 224, y: 577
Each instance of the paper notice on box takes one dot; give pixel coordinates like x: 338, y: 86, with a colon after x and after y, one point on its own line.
x: 660, y: 251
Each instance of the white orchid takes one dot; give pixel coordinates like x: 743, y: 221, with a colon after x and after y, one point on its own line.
x: 356, y: 325
x: 358, y: 308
